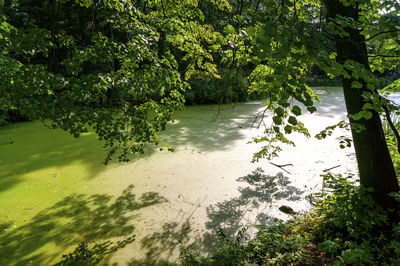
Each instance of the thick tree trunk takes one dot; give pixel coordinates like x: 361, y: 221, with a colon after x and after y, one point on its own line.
x: 374, y: 161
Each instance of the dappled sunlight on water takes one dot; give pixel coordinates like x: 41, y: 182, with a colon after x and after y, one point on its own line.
x: 206, y: 184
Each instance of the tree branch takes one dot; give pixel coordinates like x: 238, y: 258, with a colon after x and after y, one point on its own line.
x: 328, y: 169
x: 392, y: 126
x: 380, y: 33
x: 383, y: 55
x: 281, y: 166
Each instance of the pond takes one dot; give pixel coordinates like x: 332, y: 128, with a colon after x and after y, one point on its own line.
x: 55, y: 192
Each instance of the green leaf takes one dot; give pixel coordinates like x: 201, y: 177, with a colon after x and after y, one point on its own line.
x: 229, y: 29
x: 356, y: 84
x: 328, y: 246
x: 366, y: 114
x: 356, y: 116
x: 390, y: 45
x: 277, y: 120
x: 292, y: 120
x: 296, y: 110
x: 288, y: 129
x: 311, y: 109
x: 283, y: 103
x: 279, y: 111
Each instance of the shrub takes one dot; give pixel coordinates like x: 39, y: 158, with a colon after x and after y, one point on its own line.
x: 273, y: 245
x: 346, y: 227
x: 349, y: 225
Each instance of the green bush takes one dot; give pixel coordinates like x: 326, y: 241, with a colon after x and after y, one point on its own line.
x: 273, y: 245
x: 230, y: 251
x: 11, y: 116
x: 349, y: 225
x: 277, y: 245
x: 346, y: 227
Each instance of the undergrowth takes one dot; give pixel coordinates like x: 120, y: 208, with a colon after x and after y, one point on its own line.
x: 346, y: 227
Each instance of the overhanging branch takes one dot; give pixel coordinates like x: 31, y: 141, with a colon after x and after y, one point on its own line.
x: 380, y: 33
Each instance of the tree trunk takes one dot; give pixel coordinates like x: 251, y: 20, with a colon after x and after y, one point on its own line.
x: 374, y: 161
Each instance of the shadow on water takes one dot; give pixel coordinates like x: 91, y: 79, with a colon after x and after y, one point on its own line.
x: 74, y: 219
x: 248, y: 209
x: 96, y: 218
x: 161, y: 246
x: 260, y: 192
x: 35, y: 147
x: 210, y: 128
x: 332, y: 102
x: 206, y: 127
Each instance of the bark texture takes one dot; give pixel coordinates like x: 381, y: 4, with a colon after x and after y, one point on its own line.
x: 374, y: 161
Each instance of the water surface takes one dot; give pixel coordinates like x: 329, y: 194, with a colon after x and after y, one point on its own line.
x: 55, y: 193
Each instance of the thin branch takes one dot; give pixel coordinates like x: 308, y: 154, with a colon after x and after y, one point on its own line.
x: 163, y: 9
x: 380, y: 33
x: 389, y: 119
x: 261, y: 119
x: 383, y: 55
x: 392, y: 126
x: 281, y: 166
x: 255, y: 119
x: 328, y: 169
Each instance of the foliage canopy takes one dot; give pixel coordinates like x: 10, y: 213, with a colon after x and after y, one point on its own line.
x: 120, y: 67
x: 108, y: 65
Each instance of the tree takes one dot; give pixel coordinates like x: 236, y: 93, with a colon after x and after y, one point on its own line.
x: 345, y: 24
x: 107, y: 65
x: 113, y: 65
x: 374, y: 161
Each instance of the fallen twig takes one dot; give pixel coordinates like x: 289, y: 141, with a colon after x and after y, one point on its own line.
x: 328, y: 169
x: 281, y: 166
